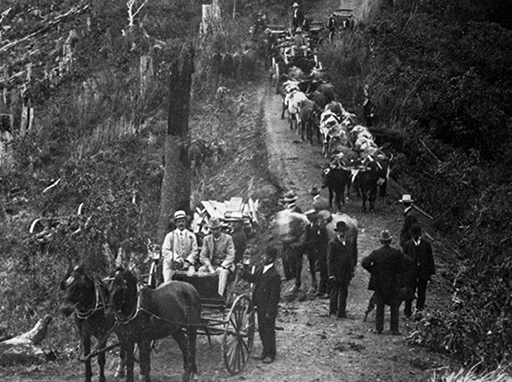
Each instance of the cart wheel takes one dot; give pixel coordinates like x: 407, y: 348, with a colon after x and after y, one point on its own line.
x: 276, y: 69
x: 238, y: 335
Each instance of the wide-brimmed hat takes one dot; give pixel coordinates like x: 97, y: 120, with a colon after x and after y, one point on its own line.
x: 295, y: 5
x: 341, y: 226
x: 271, y: 252
x: 214, y: 223
x: 314, y: 190
x: 385, y: 236
x: 180, y: 214
x: 326, y: 215
x: 406, y: 198
x: 311, y: 214
x: 290, y: 196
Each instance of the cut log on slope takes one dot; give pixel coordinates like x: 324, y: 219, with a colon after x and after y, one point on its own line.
x: 24, y: 348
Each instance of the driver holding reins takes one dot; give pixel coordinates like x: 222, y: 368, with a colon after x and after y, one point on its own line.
x: 179, y: 248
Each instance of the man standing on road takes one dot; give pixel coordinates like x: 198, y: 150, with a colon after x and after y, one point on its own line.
x: 179, y: 249
x: 410, y: 218
x: 340, y: 267
x: 385, y: 264
x: 419, y: 251
x: 266, y: 296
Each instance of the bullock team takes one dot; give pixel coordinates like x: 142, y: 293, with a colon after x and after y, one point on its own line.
x: 354, y: 158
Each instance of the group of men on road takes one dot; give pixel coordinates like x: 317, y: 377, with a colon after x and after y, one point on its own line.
x: 396, y: 275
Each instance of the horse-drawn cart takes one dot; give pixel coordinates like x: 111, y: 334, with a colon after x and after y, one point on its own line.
x: 233, y: 320
x: 343, y: 18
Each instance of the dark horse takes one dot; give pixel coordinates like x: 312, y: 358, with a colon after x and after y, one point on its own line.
x: 85, y: 298
x: 148, y: 314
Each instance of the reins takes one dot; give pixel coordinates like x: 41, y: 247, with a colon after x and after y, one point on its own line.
x: 121, y: 320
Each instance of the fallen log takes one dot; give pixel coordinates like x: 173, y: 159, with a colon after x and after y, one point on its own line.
x: 24, y: 347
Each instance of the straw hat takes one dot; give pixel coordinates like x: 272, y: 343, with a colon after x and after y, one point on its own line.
x: 214, y: 223
x: 295, y: 5
x: 180, y: 214
x: 406, y: 199
x: 385, y: 236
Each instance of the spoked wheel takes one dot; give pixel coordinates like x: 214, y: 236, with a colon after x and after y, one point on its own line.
x: 238, y: 335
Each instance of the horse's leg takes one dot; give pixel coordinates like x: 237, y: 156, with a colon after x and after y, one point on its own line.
x: 372, y: 197
x: 192, y: 337
x: 145, y: 360
x: 299, y: 259
x: 101, y: 363
x: 181, y: 339
x: 86, y: 343
x: 312, y: 267
x: 128, y: 348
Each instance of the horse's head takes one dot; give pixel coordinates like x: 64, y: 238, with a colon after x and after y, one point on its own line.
x: 78, y: 290
x: 122, y: 292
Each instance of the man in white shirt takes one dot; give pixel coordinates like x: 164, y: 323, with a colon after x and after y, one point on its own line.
x: 179, y: 249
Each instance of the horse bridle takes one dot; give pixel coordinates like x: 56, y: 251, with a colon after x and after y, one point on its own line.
x: 99, y: 301
x: 119, y: 317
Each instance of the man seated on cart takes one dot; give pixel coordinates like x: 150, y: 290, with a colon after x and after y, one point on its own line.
x: 179, y: 249
x: 217, y: 254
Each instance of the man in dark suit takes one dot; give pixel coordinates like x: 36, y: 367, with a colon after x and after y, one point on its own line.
x: 419, y: 251
x: 410, y: 218
x: 266, y: 296
x: 298, y: 16
x: 340, y: 267
x: 385, y: 264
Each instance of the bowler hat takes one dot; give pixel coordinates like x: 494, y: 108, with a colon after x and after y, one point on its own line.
x: 314, y: 190
x: 214, y: 223
x: 406, y: 199
x: 271, y: 252
x: 180, y: 214
x: 385, y: 236
x: 341, y: 226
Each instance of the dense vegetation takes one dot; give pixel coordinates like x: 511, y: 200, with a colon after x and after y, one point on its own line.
x: 440, y: 73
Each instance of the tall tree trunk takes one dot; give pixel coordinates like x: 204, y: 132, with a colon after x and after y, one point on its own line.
x: 175, y: 194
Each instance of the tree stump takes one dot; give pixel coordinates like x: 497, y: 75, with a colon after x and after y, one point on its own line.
x: 24, y: 347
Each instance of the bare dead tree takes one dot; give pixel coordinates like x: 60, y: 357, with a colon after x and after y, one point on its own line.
x: 134, y: 7
x: 175, y: 192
